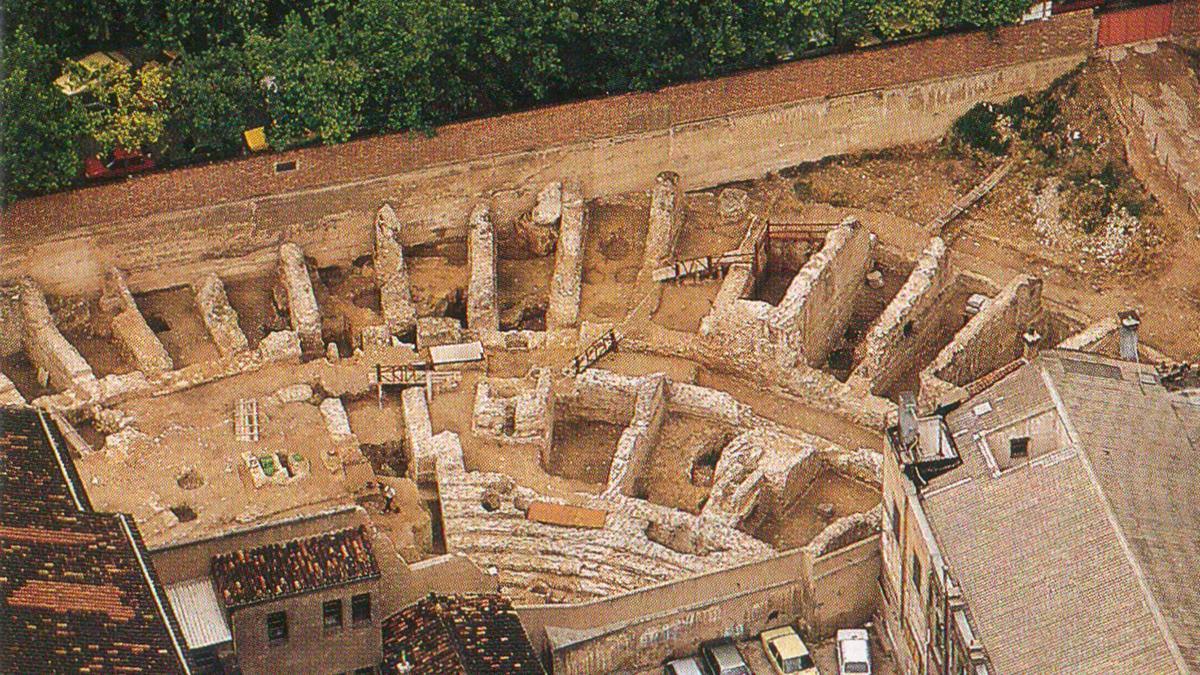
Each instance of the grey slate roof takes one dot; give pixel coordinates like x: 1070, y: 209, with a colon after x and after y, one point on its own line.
x: 1086, y: 558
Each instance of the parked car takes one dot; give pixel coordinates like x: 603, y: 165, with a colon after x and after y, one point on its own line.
x: 853, y: 652
x: 787, y: 652
x: 721, y: 657
x: 119, y: 163
x: 79, y: 78
x: 688, y: 665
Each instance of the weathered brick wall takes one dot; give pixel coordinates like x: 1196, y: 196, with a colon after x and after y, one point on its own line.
x: 1185, y: 21
x: 178, y: 225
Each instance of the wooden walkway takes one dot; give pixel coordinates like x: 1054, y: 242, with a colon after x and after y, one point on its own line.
x: 941, y: 224
x: 702, y: 267
x: 594, y: 352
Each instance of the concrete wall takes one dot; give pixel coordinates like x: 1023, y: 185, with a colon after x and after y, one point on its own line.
x: 309, y: 644
x: 641, y: 629
x: 230, y: 217
x: 818, y: 304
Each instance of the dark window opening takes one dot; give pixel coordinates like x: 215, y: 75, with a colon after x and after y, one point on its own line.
x: 360, y: 608
x: 284, y: 167
x: 916, y: 573
x: 896, y: 523
x: 1018, y: 448
x: 277, y: 628
x: 907, y: 329
x: 331, y: 613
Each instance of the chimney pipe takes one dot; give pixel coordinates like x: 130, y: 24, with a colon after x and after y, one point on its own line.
x: 1128, y: 334
x: 1032, y: 340
x: 907, y: 415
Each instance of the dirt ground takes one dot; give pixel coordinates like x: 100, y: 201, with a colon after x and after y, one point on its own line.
x: 583, y: 449
x: 801, y: 520
x: 680, y: 466
x: 252, y: 299
x: 172, y: 315
x: 612, y: 255
x: 523, y: 292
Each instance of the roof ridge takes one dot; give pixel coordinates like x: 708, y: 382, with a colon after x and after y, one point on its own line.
x: 1139, y: 574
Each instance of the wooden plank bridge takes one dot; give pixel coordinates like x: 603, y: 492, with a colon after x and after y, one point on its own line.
x: 594, y: 352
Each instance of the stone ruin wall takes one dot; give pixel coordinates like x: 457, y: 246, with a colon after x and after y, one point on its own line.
x: 46, y: 347
x: 301, y: 299
x: 991, y: 339
x: 129, y: 328
x: 220, y: 319
x: 566, y: 285
x: 900, y: 334
x: 391, y: 275
x: 820, y: 300
x: 483, y: 314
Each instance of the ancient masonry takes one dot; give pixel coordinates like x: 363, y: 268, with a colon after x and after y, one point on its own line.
x: 57, y: 359
x: 567, y: 283
x: 129, y: 327
x: 891, y: 339
x: 301, y: 300
x: 219, y: 316
x: 666, y: 219
x: 483, y: 314
x: 391, y: 275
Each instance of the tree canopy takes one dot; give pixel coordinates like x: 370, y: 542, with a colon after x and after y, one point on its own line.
x: 327, y: 70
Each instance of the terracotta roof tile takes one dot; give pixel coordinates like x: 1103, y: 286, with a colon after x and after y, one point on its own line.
x: 458, y: 634
x: 292, y: 567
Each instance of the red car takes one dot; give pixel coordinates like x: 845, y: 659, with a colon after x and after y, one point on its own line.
x: 120, y: 163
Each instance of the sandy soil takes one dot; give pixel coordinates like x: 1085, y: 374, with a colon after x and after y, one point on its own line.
x: 584, y: 449
x: 23, y: 375
x: 523, y: 292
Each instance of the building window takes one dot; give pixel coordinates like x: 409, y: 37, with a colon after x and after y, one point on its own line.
x: 365, y: 671
x: 331, y: 613
x: 1018, y: 448
x: 895, y: 522
x: 277, y: 626
x: 916, y: 573
x: 360, y: 608
x: 284, y: 167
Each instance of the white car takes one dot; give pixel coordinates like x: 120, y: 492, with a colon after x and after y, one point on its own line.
x: 853, y: 652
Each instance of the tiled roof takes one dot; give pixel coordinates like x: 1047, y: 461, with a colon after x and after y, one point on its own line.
x: 1084, y: 557
x: 292, y: 567
x: 458, y: 634
x: 80, y: 594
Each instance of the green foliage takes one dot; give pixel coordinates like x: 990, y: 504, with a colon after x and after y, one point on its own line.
x: 131, y: 108
x: 310, y: 93
x: 327, y: 70
x: 40, y: 128
x: 977, y: 128
x: 213, y: 99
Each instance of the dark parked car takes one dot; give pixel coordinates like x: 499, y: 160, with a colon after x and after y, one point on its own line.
x: 120, y: 163
x: 721, y: 657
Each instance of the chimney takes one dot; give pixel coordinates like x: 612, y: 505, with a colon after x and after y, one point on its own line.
x: 1129, y: 334
x: 1032, y: 340
x: 907, y: 414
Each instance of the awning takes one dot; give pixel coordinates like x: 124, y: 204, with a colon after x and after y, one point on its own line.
x: 199, y: 612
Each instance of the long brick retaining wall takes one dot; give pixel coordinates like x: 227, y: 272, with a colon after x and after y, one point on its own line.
x: 168, y: 227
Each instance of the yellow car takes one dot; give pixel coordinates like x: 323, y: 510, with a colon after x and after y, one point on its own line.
x: 75, y: 81
x: 787, y: 652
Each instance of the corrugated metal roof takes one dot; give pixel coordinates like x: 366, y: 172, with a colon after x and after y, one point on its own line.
x: 459, y: 353
x: 199, y: 612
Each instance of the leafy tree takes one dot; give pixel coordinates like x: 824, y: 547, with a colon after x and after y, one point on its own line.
x: 40, y: 128
x: 894, y: 18
x: 309, y: 92
x: 213, y: 99
x: 131, y: 111
x: 982, y: 13
x: 69, y: 28
x: 191, y: 25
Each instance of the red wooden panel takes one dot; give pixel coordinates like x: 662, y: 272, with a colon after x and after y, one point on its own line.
x: 1134, y: 25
